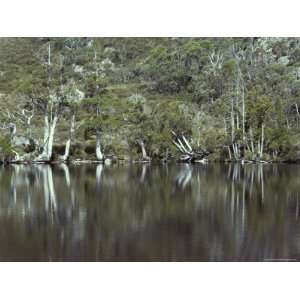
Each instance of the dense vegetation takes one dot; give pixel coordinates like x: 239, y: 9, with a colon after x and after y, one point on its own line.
x: 129, y: 98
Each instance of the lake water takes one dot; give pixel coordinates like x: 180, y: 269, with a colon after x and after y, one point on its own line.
x: 213, y: 212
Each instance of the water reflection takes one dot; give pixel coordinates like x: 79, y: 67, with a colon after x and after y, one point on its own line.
x: 184, y: 176
x: 146, y: 213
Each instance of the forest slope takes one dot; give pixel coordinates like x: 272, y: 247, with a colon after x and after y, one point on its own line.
x: 90, y: 98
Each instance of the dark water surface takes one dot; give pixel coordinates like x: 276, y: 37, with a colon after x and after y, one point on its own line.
x: 213, y: 212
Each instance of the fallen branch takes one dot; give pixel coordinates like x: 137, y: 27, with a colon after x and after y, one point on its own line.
x: 188, y: 154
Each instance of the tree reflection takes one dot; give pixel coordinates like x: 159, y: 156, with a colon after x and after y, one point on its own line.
x: 184, y: 176
x: 143, y: 174
x: 143, y: 212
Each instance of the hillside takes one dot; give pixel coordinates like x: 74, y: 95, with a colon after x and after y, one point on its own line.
x: 91, y: 98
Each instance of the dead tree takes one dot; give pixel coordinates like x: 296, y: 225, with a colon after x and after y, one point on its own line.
x: 257, y: 149
x: 99, y: 152
x: 51, y: 116
x: 216, y: 60
x: 66, y: 155
x: 145, y: 157
x: 25, y: 117
x: 188, y: 155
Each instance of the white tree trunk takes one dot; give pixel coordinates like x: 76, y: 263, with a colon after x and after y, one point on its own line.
x: 237, y: 121
x: 49, y: 131
x: 143, y: 149
x: 69, y: 141
x: 262, y: 140
x: 251, y: 140
x: 99, y: 153
x: 50, y: 119
x: 232, y: 121
x: 243, y: 114
x: 236, y: 151
x: 51, y: 136
x: 229, y: 153
x: 144, y: 153
x: 46, y: 129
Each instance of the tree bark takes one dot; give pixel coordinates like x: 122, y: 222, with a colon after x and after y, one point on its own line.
x: 49, y: 131
x: 229, y: 153
x: 251, y: 140
x: 51, y: 136
x: 145, y: 157
x: 188, y: 154
x: 99, y: 153
x: 243, y: 114
x: 232, y: 121
x: 262, y: 140
x: 69, y: 141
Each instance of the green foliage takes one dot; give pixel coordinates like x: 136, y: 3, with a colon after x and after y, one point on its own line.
x: 6, y: 150
x: 144, y: 88
x: 259, y: 109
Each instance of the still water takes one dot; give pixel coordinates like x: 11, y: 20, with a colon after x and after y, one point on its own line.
x: 214, y: 212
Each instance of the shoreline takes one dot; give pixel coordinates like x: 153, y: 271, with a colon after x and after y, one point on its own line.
x: 150, y: 162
